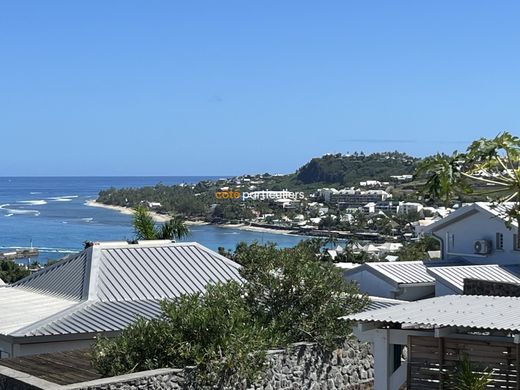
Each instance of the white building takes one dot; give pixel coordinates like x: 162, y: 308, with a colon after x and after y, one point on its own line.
x: 441, y: 331
x: 409, y: 207
x: 479, y: 234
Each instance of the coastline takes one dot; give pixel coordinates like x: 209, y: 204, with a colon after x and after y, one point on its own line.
x: 126, y: 210
x: 242, y: 226
x: 164, y: 218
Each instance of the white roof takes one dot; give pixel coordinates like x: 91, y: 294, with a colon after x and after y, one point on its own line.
x: 19, y: 308
x: 454, y: 276
x: 2, y: 283
x: 471, y: 311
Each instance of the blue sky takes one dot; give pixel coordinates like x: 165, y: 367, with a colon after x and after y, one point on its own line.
x: 229, y: 87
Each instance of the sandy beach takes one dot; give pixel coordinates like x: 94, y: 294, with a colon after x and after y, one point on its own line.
x: 164, y: 218
x: 257, y: 229
x: 125, y: 210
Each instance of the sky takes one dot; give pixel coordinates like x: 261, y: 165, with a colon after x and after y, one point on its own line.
x: 232, y: 87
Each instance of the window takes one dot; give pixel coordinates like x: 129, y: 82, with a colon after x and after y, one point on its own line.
x: 499, y: 241
x: 516, y: 243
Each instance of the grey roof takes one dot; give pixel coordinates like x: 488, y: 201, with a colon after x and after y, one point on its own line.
x: 398, y: 272
x: 106, y: 286
x: 160, y: 272
x: 66, y: 279
x: 380, y: 302
x: 93, y: 317
x: 454, y: 276
x: 472, y: 311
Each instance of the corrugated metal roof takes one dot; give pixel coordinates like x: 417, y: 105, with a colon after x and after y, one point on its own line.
x: 472, y: 311
x: 160, y: 272
x: 19, y: 308
x: 403, y: 272
x: 67, y: 278
x: 454, y: 276
x: 109, y: 285
x: 380, y: 302
x: 94, y: 317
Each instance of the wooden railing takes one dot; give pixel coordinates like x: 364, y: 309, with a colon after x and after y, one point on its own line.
x: 431, y: 361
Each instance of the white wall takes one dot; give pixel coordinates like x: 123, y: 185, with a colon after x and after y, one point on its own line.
x: 371, y: 284
x: 476, y: 227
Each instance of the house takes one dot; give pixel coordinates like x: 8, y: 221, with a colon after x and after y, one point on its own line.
x: 450, y: 280
x: 404, y: 280
x: 438, y: 333
x: 102, y: 290
x: 478, y: 233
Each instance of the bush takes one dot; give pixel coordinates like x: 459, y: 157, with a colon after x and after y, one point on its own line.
x: 296, y: 296
x: 288, y: 295
x: 213, y: 331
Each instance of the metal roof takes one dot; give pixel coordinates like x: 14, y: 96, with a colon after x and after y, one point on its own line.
x: 66, y: 278
x: 106, y: 286
x: 472, y: 311
x: 93, y: 317
x: 157, y: 272
x: 454, y: 276
x: 380, y: 302
x: 398, y: 272
x: 19, y: 308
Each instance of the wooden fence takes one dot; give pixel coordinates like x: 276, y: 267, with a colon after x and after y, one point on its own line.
x: 432, y: 360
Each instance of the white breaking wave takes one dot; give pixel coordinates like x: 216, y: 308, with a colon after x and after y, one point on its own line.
x: 38, y: 202
x: 44, y: 249
x: 11, y: 212
x: 35, y: 193
x: 9, y: 215
x: 87, y: 219
x: 65, y: 198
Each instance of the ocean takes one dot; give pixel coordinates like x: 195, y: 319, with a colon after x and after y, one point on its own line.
x: 49, y: 213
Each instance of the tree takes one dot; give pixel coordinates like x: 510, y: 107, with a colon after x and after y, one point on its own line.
x: 145, y: 228
x: 213, y: 331
x: 296, y: 296
x: 11, y: 272
x: 443, y: 177
x: 489, y: 167
x: 417, y: 250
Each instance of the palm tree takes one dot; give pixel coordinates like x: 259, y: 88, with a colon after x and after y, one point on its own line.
x: 490, y: 167
x: 443, y: 177
x: 175, y: 228
x: 145, y: 228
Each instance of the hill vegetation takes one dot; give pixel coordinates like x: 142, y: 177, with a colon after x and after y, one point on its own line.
x: 199, y: 201
x: 349, y: 170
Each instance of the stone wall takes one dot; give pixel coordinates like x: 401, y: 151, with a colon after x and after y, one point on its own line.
x: 485, y: 287
x: 306, y: 366
x: 302, y: 366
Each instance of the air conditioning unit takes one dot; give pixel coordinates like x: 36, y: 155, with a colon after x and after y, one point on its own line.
x: 482, y: 247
